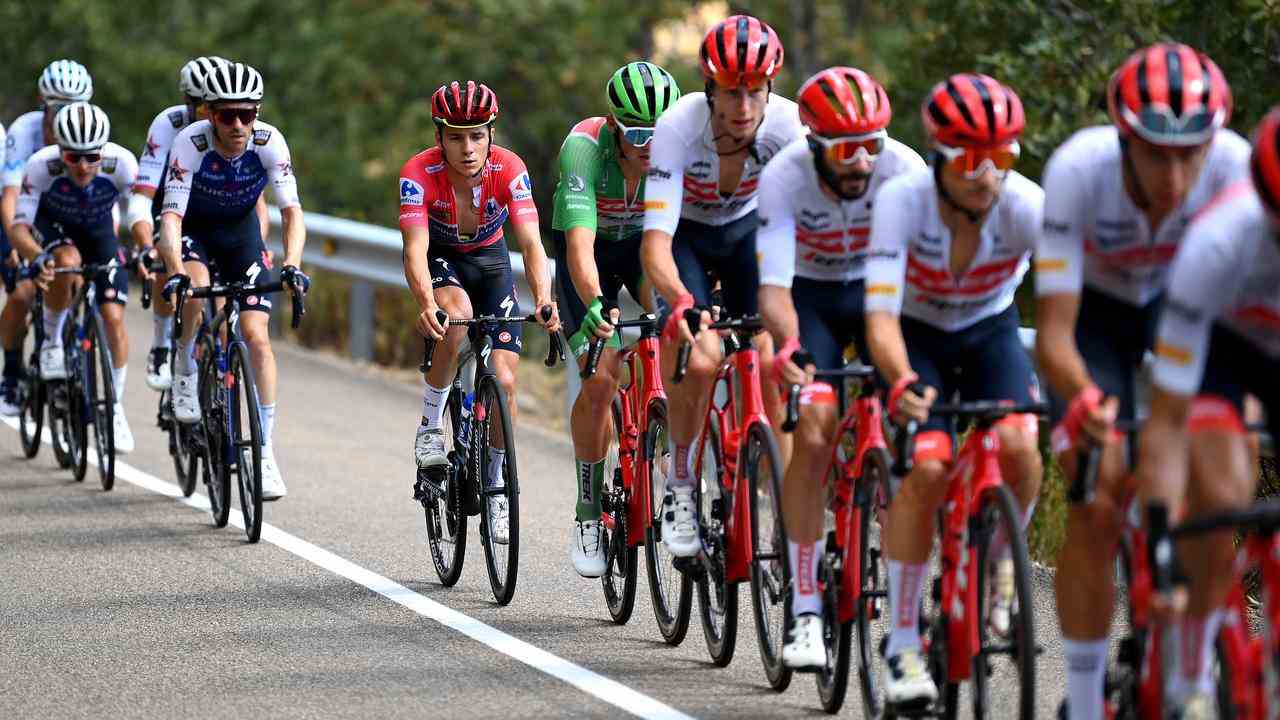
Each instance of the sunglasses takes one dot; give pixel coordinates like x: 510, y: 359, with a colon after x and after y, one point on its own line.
x: 1159, y: 126
x: 849, y: 149
x: 637, y: 136
x: 228, y: 116
x: 974, y: 162
x: 74, y: 158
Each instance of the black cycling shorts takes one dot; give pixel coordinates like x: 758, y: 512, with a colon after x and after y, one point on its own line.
x: 831, y: 317
x: 618, y: 264
x: 96, y: 243
x: 484, y: 274
x: 706, y: 253
x: 233, y: 250
x: 1235, y: 367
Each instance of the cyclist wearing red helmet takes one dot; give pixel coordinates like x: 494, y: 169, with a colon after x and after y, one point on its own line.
x: 1118, y: 201
x: 700, y: 221
x: 949, y: 246
x: 815, y: 219
x: 454, y: 199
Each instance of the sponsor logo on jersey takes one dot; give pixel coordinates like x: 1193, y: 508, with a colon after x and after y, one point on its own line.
x: 200, y: 142
x: 1051, y: 265
x: 285, y: 167
x: 440, y: 204
x: 657, y: 172
x: 1176, y: 354
x: 504, y: 337
x: 576, y: 183
x: 177, y: 118
x: 433, y: 169
x: 655, y: 204
x: 491, y: 207
x: 882, y: 289
x: 260, y: 137
x: 109, y: 165
x: 177, y: 172
x: 1055, y: 226
x: 1182, y: 310
x: 410, y: 192
x: 521, y: 189
x: 883, y: 254
x: 26, y: 185
x: 152, y: 146
x: 55, y: 167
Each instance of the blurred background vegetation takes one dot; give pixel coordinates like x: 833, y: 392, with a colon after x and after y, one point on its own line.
x: 347, y: 81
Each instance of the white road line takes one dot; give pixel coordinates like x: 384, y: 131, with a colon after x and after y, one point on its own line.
x: 594, y: 684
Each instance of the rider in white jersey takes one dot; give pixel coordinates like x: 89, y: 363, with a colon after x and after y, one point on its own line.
x: 815, y: 218
x: 1118, y: 202
x: 949, y: 246
x: 61, y: 83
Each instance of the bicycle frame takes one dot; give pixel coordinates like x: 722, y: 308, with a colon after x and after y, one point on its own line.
x: 643, y: 387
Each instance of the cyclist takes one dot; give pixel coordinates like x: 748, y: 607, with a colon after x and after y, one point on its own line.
x: 149, y: 194
x: 1118, y: 201
x: 217, y: 170
x: 454, y: 199
x: 68, y: 193
x: 949, y: 246
x: 599, y: 214
x: 700, y: 218
x: 61, y: 83
x: 1218, y: 337
x: 815, y: 216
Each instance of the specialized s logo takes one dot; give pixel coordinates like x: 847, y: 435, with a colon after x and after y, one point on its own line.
x: 410, y: 192
x: 521, y: 188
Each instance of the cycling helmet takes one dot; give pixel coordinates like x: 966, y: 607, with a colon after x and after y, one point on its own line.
x: 464, y: 105
x: 741, y: 50
x: 972, y: 110
x: 193, y: 78
x: 81, y: 127
x: 1265, y: 162
x: 65, y: 81
x: 639, y: 92
x: 232, y: 82
x: 1169, y: 94
x: 843, y: 101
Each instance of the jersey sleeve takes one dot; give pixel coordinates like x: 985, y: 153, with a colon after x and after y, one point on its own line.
x: 519, y: 191
x: 184, y: 160
x: 576, y: 189
x: 151, y: 159
x: 34, y: 182
x: 17, y: 150
x: 891, y: 226
x: 664, y: 185
x: 279, y: 167
x: 413, y: 194
x: 776, y: 233
x: 1059, y: 251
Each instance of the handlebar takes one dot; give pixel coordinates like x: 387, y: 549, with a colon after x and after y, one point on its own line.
x: 555, y: 353
x: 985, y: 412
x: 693, y: 318
x: 648, y: 320
x: 236, y: 291
x: 596, y: 348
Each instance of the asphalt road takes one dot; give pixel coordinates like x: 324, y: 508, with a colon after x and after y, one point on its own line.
x: 129, y: 604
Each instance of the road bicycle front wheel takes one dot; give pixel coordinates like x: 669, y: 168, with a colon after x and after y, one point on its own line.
x: 671, y: 590
x: 620, y: 555
x: 245, y: 438
x: 1006, y: 613
x: 211, y: 435
x: 100, y: 396
x: 872, y: 497
x: 501, y: 498
x: 770, y: 568
x: 31, y: 403
x: 717, y: 596
x: 439, y: 490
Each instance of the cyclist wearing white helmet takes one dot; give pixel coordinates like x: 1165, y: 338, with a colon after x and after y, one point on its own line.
x: 217, y: 170
x: 149, y: 192
x: 61, y: 83
x: 68, y: 193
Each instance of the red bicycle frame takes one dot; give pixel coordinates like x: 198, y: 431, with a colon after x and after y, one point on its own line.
x: 643, y: 387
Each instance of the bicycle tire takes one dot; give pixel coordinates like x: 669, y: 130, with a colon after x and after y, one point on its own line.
x: 998, y: 510
x: 59, y: 421
x: 621, y: 559
x: 872, y: 496
x: 501, y: 559
x: 31, y: 404
x: 672, y: 606
x: 212, y: 436
x: 717, y: 597
x: 770, y: 569
x: 77, y: 430
x: 242, y: 400
x: 101, y: 396
x: 445, y: 517
x: 186, y: 461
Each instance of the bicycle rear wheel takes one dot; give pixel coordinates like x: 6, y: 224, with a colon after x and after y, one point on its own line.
x: 100, y: 395
x: 58, y: 402
x: 245, y: 438
x: 442, y: 501
x: 212, y: 434
x: 998, y: 515
x: 717, y: 597
x: 770, y: 571
x: 186, y: 458
x: 620, y: 556
x: 671, y: 590
x: 501, y: 558
x: 872, y: 496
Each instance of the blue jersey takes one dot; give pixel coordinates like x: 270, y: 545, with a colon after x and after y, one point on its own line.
x: 49, y: 193
x: 203, y: 183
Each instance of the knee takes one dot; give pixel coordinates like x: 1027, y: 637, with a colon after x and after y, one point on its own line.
x: 258, y: 339
x: 598, y: 389
x: 814, y: 431
x: 1019, y: 447
x: 507, y: 379
x: 1095, y: 525
x: 926, y: 485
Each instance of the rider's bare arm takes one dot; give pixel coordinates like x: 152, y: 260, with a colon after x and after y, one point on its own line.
x: 535, y: 261
x: 295, y: 234
x: 660, y: 265
x: 1056, y: 352
x: 1164, y: 448
x: 581, y: 260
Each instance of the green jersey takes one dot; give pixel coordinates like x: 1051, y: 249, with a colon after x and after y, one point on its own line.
x: 592, y: 192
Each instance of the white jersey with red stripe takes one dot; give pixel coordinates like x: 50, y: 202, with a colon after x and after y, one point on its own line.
x: 1094, y: 234
x: 909, y: 262
x: 804, y: 231
x: 164, y: 128
x: 684, y: 167
x: 1227, y: 272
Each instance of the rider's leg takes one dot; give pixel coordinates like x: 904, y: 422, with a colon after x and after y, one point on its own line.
x: 454, y: 301
x: 184, y: 357
x: 13, y: 324
x: 57, y: 301
x: 687, y: 400
x: 591, y: 425
x: 803, y: 496
x: 117, y: 341
x: 909, y: 537
x: 253, y: 326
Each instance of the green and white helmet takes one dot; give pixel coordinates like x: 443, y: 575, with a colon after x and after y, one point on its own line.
x: 639, y: 92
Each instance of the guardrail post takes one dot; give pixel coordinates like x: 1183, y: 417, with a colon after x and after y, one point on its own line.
x: 360, y: 335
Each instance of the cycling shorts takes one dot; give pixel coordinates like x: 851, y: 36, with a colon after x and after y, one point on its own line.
x: 831, y: 317
x: 8, y: 274
x: 985, y: 361
x: 484, y: 274
x: 1235, y: 367
x: 233, y: 250
x: 96, y: 243
x: 618, y: 264
x: 706, y: 253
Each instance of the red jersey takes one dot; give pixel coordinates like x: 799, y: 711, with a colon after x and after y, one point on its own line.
x: 427, y: 199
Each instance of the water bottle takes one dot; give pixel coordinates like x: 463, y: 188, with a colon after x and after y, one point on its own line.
x: 464, y: 432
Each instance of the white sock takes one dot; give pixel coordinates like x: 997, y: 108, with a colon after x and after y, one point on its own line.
x: 1192, y: 654
x: 267, y: 418
x: 496, y: 458
x: 117, y: 379
x: 906, y: 581
x: 1086, y: 673
x: 433, y: 405
x: 682, y: 474
x: 805, y: 598
x: 53, y: 321
x: 185, y: 360
x: 163, y: 326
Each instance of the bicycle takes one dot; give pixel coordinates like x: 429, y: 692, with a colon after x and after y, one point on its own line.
x: 632, y: 503
x: 451, y: 494
x: 959, y: 643
x: 186, y: 464
x: 33, y: 392
x: 740, y: 477
x: 852, y: 575
x: 230, y: 437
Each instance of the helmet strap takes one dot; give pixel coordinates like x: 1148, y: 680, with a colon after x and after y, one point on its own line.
x: 1138, y: 193
x: 936, y: 160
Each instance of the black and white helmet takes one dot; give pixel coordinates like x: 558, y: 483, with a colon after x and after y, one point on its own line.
x: 65, y: 81
x: 233, y: 82
x: 81, y: 127
x: 193, y: 78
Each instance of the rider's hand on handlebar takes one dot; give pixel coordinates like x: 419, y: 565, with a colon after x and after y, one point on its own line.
x: 143, y: 262
x: 792, y: 365
x: 1100, y: 420
x: 429, y: 324
x: 179, y: 283
x: 910, y: 400
x: 598, y: 322
x: 549, y: 320
x: 44, y: 261
x: 295, y: 278
x: 12, y: 259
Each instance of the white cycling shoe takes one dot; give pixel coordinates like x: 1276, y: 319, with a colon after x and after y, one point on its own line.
x: 428, y: 447
x: 805, y: 650
x: 680, y: 522
x: 1000, y: 612
x: 908, y: 684
x: 159, y: 376
x: 186, y: 398
x: 586, y: 548
x: 272, y: 484
x: 121, y: 434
